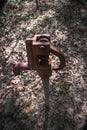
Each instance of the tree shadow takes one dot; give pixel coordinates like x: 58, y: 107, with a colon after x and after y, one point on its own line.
x: 71, y: 19
x: 74, y: 17
x: 12, y: 114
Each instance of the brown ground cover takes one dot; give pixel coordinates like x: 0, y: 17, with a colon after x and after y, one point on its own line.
x: 22, y: 97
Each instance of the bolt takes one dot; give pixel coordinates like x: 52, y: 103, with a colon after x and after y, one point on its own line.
x: 42, y: 47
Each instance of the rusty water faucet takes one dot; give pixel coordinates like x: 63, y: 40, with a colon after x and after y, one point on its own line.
x: 38, y: 51
x: 38, y: 56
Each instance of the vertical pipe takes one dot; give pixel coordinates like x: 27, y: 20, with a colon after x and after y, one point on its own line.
x: 46, y: 91
x: 45, y: 82
x: 37, y: 3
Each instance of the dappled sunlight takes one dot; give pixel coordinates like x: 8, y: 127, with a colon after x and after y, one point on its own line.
x: 36, y: 22
x: 65, y: 21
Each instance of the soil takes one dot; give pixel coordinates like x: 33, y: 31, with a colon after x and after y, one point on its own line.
x: 22, y: 96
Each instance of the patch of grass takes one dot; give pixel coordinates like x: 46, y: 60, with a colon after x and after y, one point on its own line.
x: 28, y: 17
x: 46, y: 18
x: 62, y: 89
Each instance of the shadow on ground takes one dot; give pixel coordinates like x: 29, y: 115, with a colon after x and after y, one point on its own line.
x: 68, y: 25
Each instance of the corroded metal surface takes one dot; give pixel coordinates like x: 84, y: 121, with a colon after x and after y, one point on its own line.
x: 38, y: 51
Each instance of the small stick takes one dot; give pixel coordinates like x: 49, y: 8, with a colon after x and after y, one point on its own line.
x: 37, y: 5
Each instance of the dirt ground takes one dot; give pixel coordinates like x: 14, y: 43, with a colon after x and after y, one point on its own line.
x: 22, y: 96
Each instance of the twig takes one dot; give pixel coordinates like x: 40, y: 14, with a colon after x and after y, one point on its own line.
x: 37, y: 5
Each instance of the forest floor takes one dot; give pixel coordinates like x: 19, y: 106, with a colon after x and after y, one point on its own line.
x: 22, y: 96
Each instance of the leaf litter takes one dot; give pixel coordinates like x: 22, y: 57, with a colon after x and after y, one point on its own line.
x: 66, y: 22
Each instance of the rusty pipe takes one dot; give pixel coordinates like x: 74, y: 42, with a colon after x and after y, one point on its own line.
x: 61, y: 57
x: 18, y: 67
